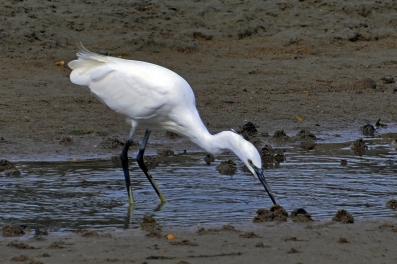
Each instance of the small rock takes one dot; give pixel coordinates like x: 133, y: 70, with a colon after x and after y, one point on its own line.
x: 301, y: 215
x: 343, y: 162
x: 13, y: 231
x: 344, y: 217
x: 209, y: 158
x: 227, y: 167
x: 359, y: 148
x: 392, y: 204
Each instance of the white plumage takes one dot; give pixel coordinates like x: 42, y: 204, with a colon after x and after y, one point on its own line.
x: 155, y: 97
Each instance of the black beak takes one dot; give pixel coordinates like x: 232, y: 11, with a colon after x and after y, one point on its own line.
x: 261, y: 177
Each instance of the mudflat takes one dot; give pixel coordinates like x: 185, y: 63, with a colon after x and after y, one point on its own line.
x: 317, y: 65
x: 323, y: 65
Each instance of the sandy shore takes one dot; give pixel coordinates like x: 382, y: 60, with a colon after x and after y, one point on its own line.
x: 365, y: 242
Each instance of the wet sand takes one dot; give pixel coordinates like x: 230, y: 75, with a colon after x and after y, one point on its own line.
x: 371, y: 242
x: 282, y: 65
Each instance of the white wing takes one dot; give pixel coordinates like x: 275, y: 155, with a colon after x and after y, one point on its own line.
x: 137, y: 89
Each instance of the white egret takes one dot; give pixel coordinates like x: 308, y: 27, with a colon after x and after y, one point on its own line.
x: 154, y: 97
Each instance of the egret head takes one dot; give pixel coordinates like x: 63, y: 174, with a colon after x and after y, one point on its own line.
x: 248, y: 153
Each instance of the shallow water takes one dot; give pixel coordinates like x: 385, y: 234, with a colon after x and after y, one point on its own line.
x: 91, y: 193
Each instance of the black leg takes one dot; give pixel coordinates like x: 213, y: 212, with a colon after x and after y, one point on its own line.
x: 124, y: 163
x: 143, y: 167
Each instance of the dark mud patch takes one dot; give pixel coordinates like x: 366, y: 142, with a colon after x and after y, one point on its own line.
x: 150, y: 225
x: 13, y: 230
x: 249, y: 235
x: 344, y: 217
x: 227, y: 167
x: 276, y: 213
x: 359, y: 147
x: 19, y: 245
x: 271, y: 158
x: 362, y: 85
x: 343, y: 240
x: 7, y: 168
x: 248, y: 130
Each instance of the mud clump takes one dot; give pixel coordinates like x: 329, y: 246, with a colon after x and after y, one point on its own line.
x: 280, y: 135
x: 344, y: 217
x: 227, y: 167
x: 308, y: 144
x: 392, y: 204
x: 248, y: 130
x: 150, y: 225
x: 300, y: 215
x: 8, y: 169
x: 368, y: 130
x: 276, y: 213
x: 305, y: 134
x: 13, y: 230
x: 209, y: 158
x: 359, y: 147
x: 270, y: 157
x: 307, y: 139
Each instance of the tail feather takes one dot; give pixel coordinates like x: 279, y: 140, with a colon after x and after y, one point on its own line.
x: 87, y: 66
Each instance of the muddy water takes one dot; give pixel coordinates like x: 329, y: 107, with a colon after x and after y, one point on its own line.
x: 92, y: 193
